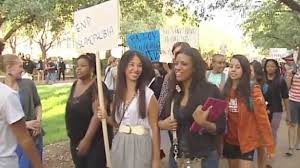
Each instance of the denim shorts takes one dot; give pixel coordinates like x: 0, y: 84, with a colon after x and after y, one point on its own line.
x: 294, y: 112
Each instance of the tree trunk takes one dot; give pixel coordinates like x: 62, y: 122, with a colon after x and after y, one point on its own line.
x: 14, y: 50
x: 44, y: 51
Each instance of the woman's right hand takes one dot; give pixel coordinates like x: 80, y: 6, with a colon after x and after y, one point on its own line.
x: 100, y: 113
x: 168, y: 124
x: 33, y: 125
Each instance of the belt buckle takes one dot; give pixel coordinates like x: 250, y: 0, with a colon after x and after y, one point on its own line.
x: 130, y: 130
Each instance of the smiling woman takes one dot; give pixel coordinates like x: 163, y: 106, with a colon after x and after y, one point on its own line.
x: 135, y: 114
x: 194, y: 90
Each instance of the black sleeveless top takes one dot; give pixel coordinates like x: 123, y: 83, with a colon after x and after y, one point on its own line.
x: 79, y: 112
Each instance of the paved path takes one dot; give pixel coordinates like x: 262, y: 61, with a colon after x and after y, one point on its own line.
x: 281, y: 161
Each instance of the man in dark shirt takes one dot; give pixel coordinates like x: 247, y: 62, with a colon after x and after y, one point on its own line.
x: 51, y: 72
x: 61, y: 68
x: 28, y: 65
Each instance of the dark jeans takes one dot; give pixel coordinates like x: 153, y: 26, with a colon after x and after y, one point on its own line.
x: 62, y: 72
x: 95, y: 158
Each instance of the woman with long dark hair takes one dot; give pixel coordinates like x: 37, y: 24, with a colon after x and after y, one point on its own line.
x: 168, y: 86
x: 247, y: 119
x: 278, y: 92
x: 135, y: 115
x: 258, y: 77
x: 83, y: 126
x: 191, y: 93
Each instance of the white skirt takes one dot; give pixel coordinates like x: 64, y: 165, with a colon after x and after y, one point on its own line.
x: 131, y: 151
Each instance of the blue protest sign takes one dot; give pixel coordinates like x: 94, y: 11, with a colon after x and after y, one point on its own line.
x: 148, y: 43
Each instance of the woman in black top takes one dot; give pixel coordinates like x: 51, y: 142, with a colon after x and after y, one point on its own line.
x: 191, y: 92
x: 83, y: 126
x: 277, y: 92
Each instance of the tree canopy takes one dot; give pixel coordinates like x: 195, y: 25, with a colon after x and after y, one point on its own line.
x: 273, y: 25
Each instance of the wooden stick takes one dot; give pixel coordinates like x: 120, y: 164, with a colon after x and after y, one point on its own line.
x: 102, y: 106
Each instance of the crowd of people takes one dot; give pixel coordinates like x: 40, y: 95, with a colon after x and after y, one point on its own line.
x: 50, y: 70
x: 143, y: 97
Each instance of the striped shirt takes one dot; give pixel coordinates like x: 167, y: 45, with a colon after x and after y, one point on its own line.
x: 294, y: 93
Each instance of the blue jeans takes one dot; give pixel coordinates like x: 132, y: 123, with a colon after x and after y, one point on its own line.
x: 51, y: 76
x: 211, y: 161
x: 24, y: 162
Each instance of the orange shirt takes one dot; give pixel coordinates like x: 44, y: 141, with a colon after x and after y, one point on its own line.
x: 233, y: 116
x: 245, y: 128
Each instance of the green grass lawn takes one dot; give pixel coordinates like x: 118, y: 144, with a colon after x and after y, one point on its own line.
x: 54, y: 99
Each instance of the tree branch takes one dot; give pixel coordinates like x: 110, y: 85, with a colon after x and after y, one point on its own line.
x: 41, y: 40
x: 16, y: 27
x: 54, y: 38
x: 292, y: 4
x: 50, y: 45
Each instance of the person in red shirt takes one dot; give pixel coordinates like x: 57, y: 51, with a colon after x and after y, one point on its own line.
x: 247, y: 119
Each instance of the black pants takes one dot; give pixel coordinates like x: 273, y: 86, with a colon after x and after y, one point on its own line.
x: 95, y: 158
x: 62, y: 72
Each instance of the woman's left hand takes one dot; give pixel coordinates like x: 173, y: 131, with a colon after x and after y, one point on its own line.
x: 200, y: 116
x: 83, y: 147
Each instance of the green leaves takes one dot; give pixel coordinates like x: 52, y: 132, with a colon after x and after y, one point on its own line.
x: 274, y: 25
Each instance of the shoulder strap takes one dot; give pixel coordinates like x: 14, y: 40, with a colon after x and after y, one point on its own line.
x: 125, y: 108
x: 107, y: 73
x: 174, y: 134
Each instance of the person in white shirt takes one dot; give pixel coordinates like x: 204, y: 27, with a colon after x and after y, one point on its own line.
x: 13, y: 129
x: 216, y: 75
x: 110, y: 76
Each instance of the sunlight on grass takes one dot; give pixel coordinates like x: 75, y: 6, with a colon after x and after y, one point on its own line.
x: 54, y: 103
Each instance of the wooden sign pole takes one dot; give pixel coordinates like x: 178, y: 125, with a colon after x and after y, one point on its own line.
x: 102, y: 106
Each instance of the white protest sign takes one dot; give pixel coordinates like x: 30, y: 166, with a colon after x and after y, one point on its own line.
x: 170, y: 36
x: 278, y: 53
x: 97, y: 27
